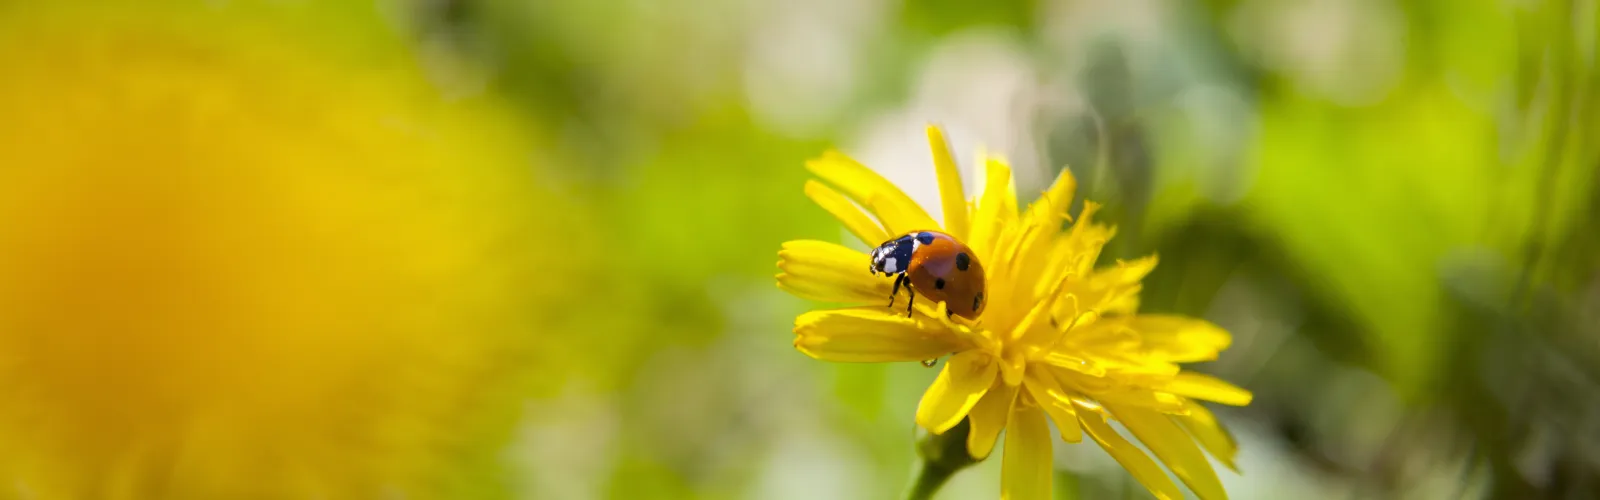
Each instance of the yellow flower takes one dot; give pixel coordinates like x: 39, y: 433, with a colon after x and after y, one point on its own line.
x: 236, y: 264
x: 1058, y: 337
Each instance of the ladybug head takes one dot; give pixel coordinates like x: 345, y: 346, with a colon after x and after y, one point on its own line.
x: 893, y: 256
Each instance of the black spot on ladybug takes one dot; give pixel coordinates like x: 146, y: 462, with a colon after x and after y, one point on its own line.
x: 925, y: 238
x: 963, y: 261
x: 977, y: 301
x: 938, y: 283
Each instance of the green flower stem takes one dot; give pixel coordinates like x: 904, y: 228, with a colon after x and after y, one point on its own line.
x: 942, y: 456
x: 930, y: 477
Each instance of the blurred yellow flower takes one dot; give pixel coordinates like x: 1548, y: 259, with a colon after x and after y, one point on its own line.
x: 233, y: 266
x: 1058, y: 337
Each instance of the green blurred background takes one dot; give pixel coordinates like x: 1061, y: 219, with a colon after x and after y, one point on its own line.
x: 1389, y: 204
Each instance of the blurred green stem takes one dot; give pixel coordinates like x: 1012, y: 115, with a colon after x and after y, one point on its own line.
x: 942, y: 455
x: 930, y: 477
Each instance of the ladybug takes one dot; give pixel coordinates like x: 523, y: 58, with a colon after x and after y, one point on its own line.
x: 935, y: 264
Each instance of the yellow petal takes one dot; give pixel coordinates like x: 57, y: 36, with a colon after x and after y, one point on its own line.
x: 1034, y: 329
x: 1041, y: 228
x: 1050, y: 210
x: 1174, y: 447
x: 976, y: 337
x: 1180, y: 339
x: 1061, y: 192
x: 1209, y: 388
x: 898, y: 212
x: 1100, y: 334
x: 1131, y: 364
x: 1148, y: 343
x: 871, y: 334
x: 1209, y: 432
x: 1136, y: 462
x: 952, y: 196
x: 1159, y: 402
x: 1075, y: 363
x: 1114, y: 290
x: 988, y: 418
x: 1064, y: 254
x: 1076, y: 253
x: 1131, y: 271
x: 965, y: 378
x: 848, y: 213
x: 1012, y: 367
x: 829, y: 272
x: 1109, y: 345
x: 1044, y: 389
x: 996, y: 208
x: 1029, y: 466
x: 1007, y: 185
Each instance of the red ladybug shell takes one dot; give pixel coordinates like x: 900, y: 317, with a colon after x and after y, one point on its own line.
x: 947, y: 271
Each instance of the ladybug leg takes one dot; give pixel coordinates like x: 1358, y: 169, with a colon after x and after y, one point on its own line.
x: 911, y: 298
x: 897, y: 280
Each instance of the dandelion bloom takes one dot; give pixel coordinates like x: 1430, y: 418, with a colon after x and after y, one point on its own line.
x: 240, y: 262
x: 1058, y: 338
